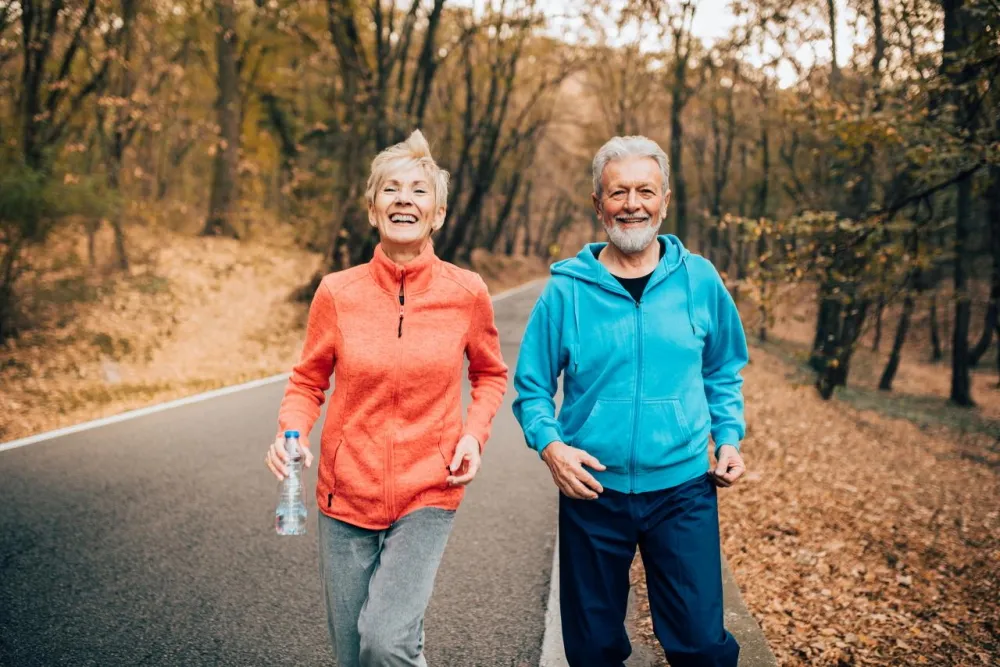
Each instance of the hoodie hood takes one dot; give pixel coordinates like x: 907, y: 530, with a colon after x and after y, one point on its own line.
x: 587, y: 268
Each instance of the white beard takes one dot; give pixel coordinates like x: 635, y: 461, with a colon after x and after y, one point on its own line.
x: 631, y: 241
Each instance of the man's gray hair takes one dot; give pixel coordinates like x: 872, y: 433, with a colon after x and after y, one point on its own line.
x: 619, y: 148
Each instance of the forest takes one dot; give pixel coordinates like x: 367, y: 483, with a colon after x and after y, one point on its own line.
x: 867, y: 183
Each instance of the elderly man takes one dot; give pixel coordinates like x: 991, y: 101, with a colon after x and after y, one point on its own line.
x: 650, y: 346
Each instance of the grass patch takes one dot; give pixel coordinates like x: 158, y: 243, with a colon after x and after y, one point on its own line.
x: 923, y: 410
x: 99, y: 395
x: 13, y: 368
x: 104, y: 343
x: 104, y: 394
x: 65, y: 291
x: 149, y: 284
x: 110, y: 346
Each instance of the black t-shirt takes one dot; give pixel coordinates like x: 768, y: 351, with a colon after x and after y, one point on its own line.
x: 636, y: 286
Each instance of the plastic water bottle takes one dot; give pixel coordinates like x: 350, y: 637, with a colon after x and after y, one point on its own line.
x: 290, y: 517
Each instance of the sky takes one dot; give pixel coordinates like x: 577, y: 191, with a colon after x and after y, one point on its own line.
x: 713, y: 21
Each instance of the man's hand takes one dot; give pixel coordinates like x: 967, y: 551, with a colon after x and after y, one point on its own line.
x: 730, y: 466
x: 566, y: 465
x: 466, y: 462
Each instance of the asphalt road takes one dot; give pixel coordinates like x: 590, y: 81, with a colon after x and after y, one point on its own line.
x: 151, y: 542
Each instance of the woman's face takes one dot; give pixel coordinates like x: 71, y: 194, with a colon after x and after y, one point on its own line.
x: 405, y: 211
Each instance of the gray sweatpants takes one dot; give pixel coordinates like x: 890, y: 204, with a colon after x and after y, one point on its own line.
x: 377, y: 584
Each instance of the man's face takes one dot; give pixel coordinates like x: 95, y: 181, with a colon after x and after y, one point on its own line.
x: 632, y: 203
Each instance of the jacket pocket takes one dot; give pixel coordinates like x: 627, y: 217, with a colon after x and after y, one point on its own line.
x: 445, y: 457
x: 333, y: 468
x: 447, y: 444
x: 664, y: 435
x: 607, y: 433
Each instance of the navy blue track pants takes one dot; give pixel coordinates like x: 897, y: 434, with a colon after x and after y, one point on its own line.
x: 677, y: 532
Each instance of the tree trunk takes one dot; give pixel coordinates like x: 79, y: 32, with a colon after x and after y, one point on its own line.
x: 852, y: 331
x: 762, y: 334
x: 91, y: 225
x: 998, y: 360
x: 937, y: 354
x: 124, y: 128
x: 32, y: 74
x: 222, y: 203
x: 827, y: 317
x: 288, y: 148
x: 525, y: 215
x: 831, y: 9
x: 676, y: 148
x: 8, y: 274
x: 117, y: 219
x: 960, y: 381
x: 983, y: 344
x: 889, y: 374
x: 46, y: 108
x: 838, y: 348
x: 121, y: 255
x: 878, y: 324
x: 744, y: 178
x: 680, y: 23
x: 956, y: 39
x: 879, y: 34
x: 761, y: 252
x: 760, y: 206
x: 510, y: 196
x: 994, y: 216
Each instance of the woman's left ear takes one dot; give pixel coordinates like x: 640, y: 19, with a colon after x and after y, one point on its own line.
x: 439, y: 219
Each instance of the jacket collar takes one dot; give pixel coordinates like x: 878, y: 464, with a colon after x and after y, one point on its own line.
x: 418, y: 272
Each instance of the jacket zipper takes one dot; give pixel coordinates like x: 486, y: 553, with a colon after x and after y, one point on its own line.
x: 390, y: 504
x: 402, y: 300
x: 637, y: 401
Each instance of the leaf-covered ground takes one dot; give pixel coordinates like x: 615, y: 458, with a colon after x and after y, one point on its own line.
x: 192, y: 314
x: 867, y: 531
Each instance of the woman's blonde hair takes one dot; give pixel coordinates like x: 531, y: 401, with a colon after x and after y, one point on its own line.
x: 414, y: 152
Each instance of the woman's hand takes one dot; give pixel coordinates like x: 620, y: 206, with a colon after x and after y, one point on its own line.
x: 466, y: 462
x: 277, y: 458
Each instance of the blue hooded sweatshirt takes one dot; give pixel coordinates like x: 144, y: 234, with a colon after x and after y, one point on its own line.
x: 644, y: 383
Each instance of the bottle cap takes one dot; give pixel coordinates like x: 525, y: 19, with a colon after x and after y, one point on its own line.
x: 291, y: 434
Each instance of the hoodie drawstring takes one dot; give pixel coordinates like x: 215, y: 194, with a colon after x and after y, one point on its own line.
x: 576, y: 323
x: 690, y: 295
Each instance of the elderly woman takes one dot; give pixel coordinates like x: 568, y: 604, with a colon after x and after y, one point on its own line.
x: 395, y: 455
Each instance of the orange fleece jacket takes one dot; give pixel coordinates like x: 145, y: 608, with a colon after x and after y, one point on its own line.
x: 395, y: 415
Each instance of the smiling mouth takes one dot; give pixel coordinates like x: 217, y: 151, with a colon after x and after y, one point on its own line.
x: 626, y: 220
x: 403, y: 219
